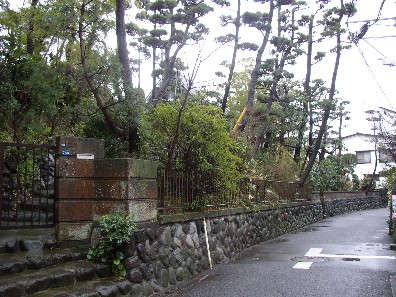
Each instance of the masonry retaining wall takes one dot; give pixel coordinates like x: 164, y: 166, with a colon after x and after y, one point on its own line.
x: 159, y: 257
x: 335, y: 203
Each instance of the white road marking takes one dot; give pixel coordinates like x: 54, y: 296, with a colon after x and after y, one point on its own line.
x: 316, y: 253
x: 302, y: 265
x: 313, y: 252
x: 355, y: 256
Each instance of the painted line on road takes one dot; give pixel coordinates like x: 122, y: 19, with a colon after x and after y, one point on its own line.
x: 354, y: 256
x: 316, y: 253
x: 313, y: 252
x: 302, y: 265
x: 306, y: 265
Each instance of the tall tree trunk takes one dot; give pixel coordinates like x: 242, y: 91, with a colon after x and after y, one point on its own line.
x: 94, y: 90
x: 375, y: 150
x: 256, y: 70
x: 322, y: 153
x: 30, y: 32
x: 170, y: 65
x: 69, y: 72
x: 276, y: 78
x: 326, y: 115
x: 177, y: 128
x: 234, y: 54
x: 307, y: 91
x: 154, y: 76
x: 180, y: 117
x: 122, y: 47
x: 340, y: 132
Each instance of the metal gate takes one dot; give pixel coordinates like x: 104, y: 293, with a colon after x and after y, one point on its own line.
x: 27, y: 185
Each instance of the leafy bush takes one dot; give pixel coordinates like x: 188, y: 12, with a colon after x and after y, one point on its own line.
x: 203, y: 143
x: 277, y: 165
x: 96, y: 127
x: 368, y: 184
x: 390, y: 179
x: 355, y: 182
x: 115, y: 230
x: 333, y: 174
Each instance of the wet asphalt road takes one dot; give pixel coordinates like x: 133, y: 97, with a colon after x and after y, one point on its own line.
x: 349, y: 267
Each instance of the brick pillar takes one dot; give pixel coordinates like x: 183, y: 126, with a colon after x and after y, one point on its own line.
x: 89, y: 189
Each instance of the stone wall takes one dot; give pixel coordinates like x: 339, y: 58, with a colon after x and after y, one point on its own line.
x: 161, y: 256
x: 335, y: 203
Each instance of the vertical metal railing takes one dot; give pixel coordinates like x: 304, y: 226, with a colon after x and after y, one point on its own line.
x: 186, y: 190
x: 27, y: 185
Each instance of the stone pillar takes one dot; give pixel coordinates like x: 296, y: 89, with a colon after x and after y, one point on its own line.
x: 87, y: 189
x: 137, y: 185
x: 75, y: 186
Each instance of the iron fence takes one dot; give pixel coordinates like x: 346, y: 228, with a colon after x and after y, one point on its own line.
x: 180, y: 190
x: 27, y: 185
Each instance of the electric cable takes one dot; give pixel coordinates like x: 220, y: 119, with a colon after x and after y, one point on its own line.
x: 374, y: 47
x: 380, y: 37
x: 372, y: 73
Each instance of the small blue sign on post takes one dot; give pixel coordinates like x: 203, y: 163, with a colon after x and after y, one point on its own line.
x: 65, y: 152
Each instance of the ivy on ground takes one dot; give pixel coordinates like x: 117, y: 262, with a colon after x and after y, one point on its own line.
x: 115, y: 230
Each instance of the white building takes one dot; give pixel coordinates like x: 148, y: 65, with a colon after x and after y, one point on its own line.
x: 364, y: 146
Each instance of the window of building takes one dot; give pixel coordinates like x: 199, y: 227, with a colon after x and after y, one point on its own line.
x: 363, y: 157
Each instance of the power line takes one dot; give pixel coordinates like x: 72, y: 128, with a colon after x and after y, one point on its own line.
x: 372, y: 73
x: 365, y: 21
x: 364, y: 39
x: 380, y: 37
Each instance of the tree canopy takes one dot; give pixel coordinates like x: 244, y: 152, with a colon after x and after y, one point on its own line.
x: 70, y: 67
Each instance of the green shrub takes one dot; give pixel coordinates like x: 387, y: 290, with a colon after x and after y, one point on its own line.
x: 355, y: 182
x: 203, y: 143
x: 277, y: 165
x: 115, y: 230
x: 332, y: 174
x: 368, y: 184
x: 390, y: 179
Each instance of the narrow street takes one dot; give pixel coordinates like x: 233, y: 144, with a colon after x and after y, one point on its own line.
x: 347, y: 255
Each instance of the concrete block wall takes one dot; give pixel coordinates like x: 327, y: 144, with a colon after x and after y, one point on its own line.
x: 88, y: 189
